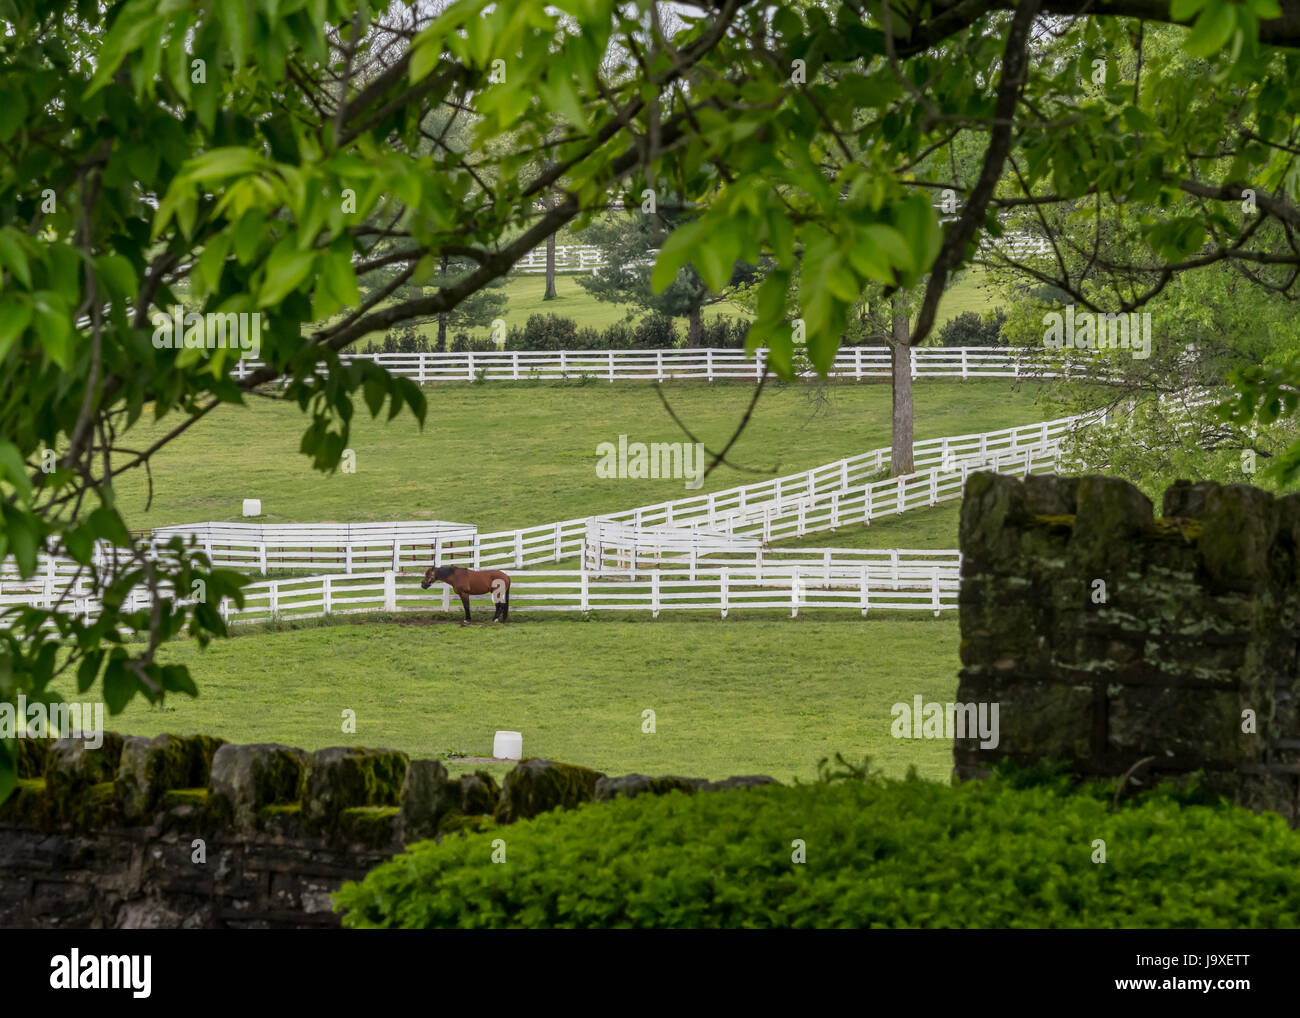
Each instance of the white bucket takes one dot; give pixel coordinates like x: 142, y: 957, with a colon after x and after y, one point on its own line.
x: 252, y: 507
x: 508, y: 746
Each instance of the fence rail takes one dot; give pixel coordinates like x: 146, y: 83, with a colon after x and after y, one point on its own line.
x: 844, y: 492
x: 931, y: 588
x: 856, y: 363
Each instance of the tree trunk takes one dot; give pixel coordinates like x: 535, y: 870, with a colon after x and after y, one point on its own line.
x: 901, y: 361
x: 442, y: 315
x: 550, y: 268
x: 694, y: 327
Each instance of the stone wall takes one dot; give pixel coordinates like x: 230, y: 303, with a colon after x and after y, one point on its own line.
x: 176, y: 832
x: 1109, y: 636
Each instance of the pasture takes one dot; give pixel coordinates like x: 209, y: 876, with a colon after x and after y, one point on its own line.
x: 748, y: 695
x: 757, y: 692
x: 505, y: 455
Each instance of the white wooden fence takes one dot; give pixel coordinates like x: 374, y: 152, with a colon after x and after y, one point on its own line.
x: 856, y: 363
x: 845, y: 492
x: 630, y: 556
x: 932, y: 588
x: 322, y: 546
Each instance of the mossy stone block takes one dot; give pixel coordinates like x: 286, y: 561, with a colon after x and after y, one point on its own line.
x: 246, y: 779
x: 151, y: 767
x: 427, y: 795
x: 629, y: 786
x: 537, y: 786
x: 74, y: 765
x: 344, y: 777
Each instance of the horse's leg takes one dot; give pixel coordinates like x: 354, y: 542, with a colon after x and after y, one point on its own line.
x: 464, y: 599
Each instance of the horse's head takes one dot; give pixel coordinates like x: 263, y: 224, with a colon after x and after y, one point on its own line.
x: 433, y: 574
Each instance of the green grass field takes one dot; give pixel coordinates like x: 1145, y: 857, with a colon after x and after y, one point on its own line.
x: 505, y: 456
x: 740, y: 696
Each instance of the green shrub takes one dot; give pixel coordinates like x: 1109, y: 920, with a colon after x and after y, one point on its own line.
x: 618, y: 336
x: 655, y: 332
x: 725, y: 333
x: 971, y: 329
x: 879, y: 854
x: 463, y: 342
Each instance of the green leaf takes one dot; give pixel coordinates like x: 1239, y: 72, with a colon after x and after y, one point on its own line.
x: 118, y: 274
x: 222, y: 162
x: 106, y: 523
x: 12, y: 465
x: 1183, y: 10
x: 12, y: 256
x: 285, y: 269
x: 15, y: 316
x: 53, y: 327
x: 1212, y: 30
x: 675, y: 253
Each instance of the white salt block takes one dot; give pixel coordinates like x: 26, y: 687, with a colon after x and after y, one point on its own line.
x: 252, y: 507
x: 508, y: 746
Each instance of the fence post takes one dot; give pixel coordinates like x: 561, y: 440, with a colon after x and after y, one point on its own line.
x: 963, y: 364
x: 559, y: 542
x: 794, y: 592
x: 419, y: 370
x: 469, y: 361
x: 347, y: 557
x: 708, y: 360
x: 446, y: 598
x: 476, y: 550
x: 866, y: 504
x: 564, y: 368
x: 865, y: 594
x: 760, y: 357
x: 519, y: 549
x: 261, y: 556
x: 913, y: 358
x: 654, y: 595
x: 325, y: 595
x: 835, y: 510
x: 934, y: 487
x: 397, y: 555
x: 724, y: 592
x: 274, y: 600
x: 611, y: 365
x: 857, y: 363
x: 936, y: 592
x: 659, y: 365
x: 902, y: 493
x: 694, y: 553
x: 893, y: 566
x: 514, y: 365
x: 585, y: 607
x: 390, y: 591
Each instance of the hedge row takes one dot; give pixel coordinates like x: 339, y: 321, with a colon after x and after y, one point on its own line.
x: 553, y: 332
x: 878, y: 854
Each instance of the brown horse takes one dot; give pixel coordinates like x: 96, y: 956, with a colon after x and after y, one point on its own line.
x: 473, y: 581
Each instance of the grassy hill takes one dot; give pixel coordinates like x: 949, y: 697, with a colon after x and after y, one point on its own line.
x: 505, y: 456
